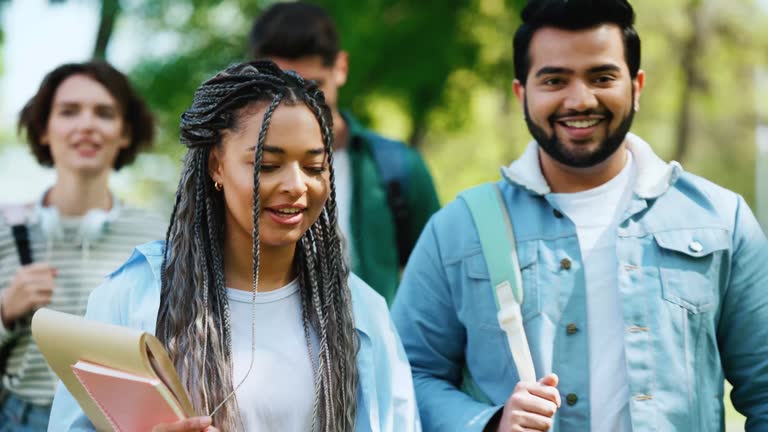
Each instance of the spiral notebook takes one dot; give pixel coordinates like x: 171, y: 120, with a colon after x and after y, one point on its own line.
x: 122, y: 378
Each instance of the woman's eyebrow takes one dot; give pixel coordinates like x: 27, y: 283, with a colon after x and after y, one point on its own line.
x: 270, y: 149
x: 280, y: 150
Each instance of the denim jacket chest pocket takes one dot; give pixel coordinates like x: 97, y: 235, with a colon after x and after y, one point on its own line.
x: 689, y: 265
x: 481, y: 295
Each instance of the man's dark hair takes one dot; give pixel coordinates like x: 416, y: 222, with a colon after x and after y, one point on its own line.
x: 137, y: 119
x: 294, y: 30
x: 575, y: 15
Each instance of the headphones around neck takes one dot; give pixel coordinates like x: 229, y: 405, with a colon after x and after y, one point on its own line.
x: 91, y: 227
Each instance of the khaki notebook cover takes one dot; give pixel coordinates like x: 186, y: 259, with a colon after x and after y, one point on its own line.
x: 66, y: 339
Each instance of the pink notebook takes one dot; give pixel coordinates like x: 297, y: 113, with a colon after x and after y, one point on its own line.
x: 132, y: 403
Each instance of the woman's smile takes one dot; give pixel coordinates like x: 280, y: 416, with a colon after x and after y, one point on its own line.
x: 287, y: 214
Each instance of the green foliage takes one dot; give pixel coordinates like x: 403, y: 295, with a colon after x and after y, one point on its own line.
x: 408, y: 52
x: 417, y: 46
x: 734, y: 43
x: 205, y: 38
x: 439, y: 74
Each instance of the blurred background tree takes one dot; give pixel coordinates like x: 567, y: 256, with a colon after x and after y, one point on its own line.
x: 438, y: 75
x: 109, y: 11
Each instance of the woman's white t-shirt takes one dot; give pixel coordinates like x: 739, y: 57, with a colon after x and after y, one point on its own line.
x: 279, y: 392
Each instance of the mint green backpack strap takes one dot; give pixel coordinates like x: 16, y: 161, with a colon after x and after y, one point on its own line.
x: 497, y: 239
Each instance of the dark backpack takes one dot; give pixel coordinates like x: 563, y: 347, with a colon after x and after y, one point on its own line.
x: 392, y: 164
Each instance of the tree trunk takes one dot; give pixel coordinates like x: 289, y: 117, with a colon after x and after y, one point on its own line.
x: 110, y: 9
x: 691, y: 79
x: 418, y: 134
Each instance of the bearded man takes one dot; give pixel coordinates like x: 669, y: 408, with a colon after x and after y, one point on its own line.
x: 644, y: 285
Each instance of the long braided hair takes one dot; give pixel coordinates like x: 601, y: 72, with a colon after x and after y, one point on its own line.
x: 193, y: 319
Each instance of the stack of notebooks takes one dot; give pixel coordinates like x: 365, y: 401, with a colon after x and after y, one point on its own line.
x: 122, y: 378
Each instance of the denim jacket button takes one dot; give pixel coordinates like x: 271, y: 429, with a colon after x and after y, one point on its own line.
x: 565, y: 264
x: 571, y: 329
x: 695, y: 246
x: 571, y: 399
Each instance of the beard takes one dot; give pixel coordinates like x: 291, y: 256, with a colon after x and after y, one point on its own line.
x: 559, y: 152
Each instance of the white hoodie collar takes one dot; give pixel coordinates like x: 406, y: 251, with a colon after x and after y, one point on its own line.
x: 654, y: 176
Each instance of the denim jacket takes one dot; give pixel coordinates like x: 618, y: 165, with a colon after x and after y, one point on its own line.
x: 693, y: 282
x: 385, y: 400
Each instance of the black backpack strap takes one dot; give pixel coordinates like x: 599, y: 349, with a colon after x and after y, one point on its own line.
x: 21, y: 237
x: 16, y: 216
x: 392, y: 164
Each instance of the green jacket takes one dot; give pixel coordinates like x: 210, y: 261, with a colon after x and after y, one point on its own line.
x: 375, y: 255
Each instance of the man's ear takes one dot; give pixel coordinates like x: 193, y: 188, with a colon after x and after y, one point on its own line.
x: 637, y: 85
x: 519, y: 89
x: 341, y: 68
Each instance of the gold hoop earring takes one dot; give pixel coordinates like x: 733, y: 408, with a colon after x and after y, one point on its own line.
x: 218, y: 186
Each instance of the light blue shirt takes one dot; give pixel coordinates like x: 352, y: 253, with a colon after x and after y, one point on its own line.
x: 693, y: 289
x: 385, y: 398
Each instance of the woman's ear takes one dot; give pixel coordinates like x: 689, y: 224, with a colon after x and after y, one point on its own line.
x: 125, y: 138
x: 214, y: 165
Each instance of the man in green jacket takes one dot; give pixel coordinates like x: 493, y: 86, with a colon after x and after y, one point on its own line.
x: 384, y: 191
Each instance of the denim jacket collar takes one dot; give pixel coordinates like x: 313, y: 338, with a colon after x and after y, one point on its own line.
x: 654, y: 176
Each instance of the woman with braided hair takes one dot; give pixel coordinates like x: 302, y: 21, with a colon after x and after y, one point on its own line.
x: 252, y: 297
